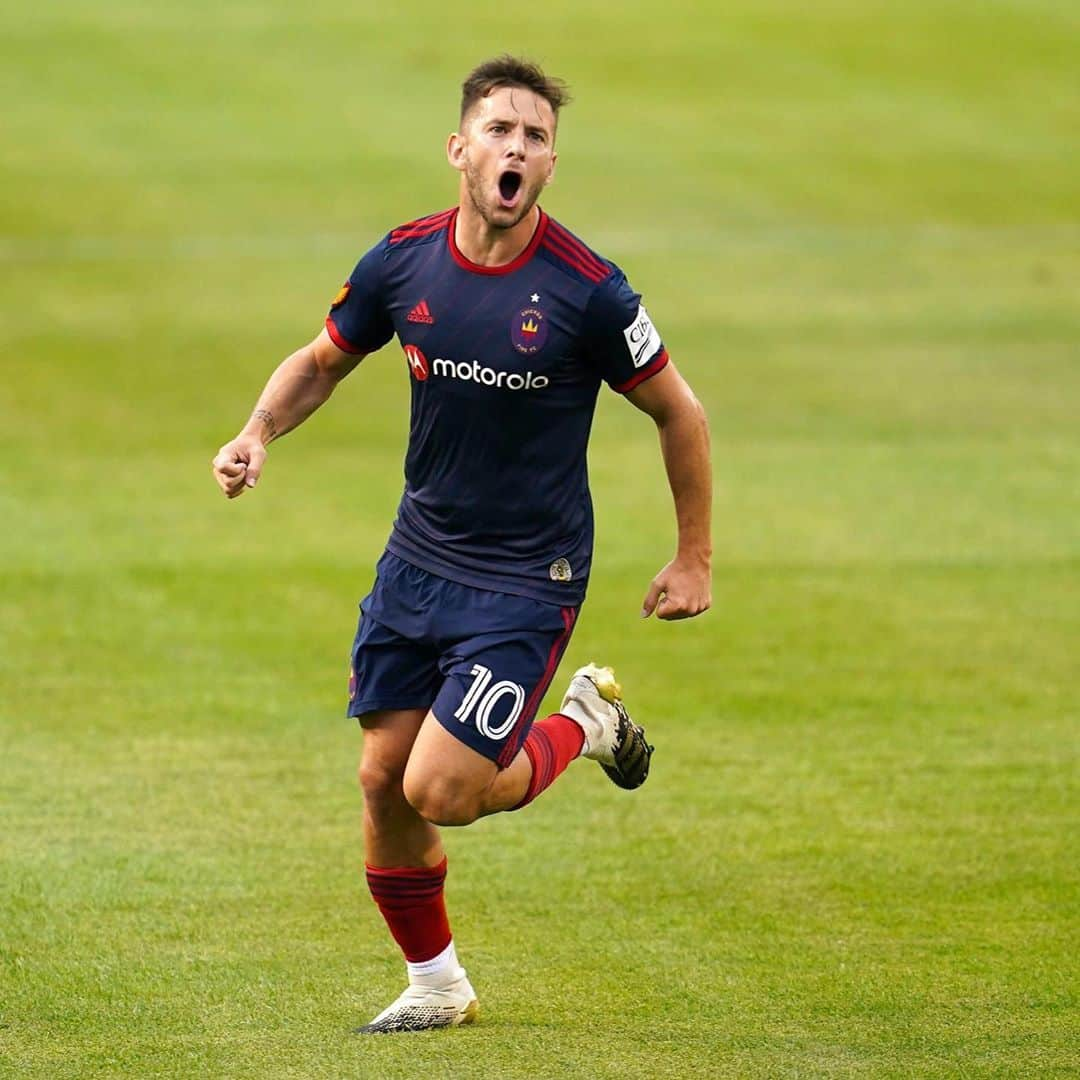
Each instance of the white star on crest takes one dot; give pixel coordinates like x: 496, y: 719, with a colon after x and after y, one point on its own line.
x: 535, y: 298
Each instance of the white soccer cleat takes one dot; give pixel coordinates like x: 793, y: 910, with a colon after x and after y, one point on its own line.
x: 422, y: 1007
x: 594, y: 700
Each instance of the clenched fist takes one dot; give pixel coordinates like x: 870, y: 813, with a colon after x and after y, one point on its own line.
x: 238, y: 464
x: 681, y: 590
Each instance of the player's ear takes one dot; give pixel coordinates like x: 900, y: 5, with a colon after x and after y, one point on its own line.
x: 551, y: 169
x: 455, y: 151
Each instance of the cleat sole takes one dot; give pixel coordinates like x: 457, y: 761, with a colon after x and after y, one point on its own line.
x: 417, y: 1021
x: 631, y: 768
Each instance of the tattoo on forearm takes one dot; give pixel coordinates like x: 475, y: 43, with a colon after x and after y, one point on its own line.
x: 266, y: 418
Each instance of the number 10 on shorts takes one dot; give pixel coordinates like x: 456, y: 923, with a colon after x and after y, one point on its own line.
x: 483, y: 697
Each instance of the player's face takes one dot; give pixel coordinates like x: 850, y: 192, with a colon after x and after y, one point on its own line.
x: 506, y: 153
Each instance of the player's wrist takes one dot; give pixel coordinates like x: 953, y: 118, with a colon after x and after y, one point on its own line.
x: 696, y: 555
x: 249, y: 432
x: 260, y: 426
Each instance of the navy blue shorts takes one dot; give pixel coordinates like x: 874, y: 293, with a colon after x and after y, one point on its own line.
x: 479, y: 660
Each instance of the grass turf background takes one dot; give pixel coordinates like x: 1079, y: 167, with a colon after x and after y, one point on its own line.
x: 858, y: 226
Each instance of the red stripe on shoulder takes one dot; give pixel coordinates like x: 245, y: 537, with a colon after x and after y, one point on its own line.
x: 426, y: 219
x: 574, y: 245
x: 422, y: 230
x: 578, y: 257
x: 398, y: 235
x: 654, y: 366
x: 590, y: 272
x: 573, y: 242
x: 424, y: 226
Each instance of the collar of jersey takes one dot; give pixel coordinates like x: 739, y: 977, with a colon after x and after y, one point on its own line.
x: 507, y: 268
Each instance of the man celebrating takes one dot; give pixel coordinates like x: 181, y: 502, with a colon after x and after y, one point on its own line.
x: 509, y: 324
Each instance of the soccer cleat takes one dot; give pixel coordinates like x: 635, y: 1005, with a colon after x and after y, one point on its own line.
x: 594, y: 700
x: 422, y: 1007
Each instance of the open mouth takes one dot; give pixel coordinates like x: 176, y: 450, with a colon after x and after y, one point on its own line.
x: 509, y: 187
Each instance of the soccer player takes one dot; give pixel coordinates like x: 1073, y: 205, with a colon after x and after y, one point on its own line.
x: 509, y: 324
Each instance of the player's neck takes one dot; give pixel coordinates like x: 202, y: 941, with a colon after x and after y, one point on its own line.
x: 487, y: 246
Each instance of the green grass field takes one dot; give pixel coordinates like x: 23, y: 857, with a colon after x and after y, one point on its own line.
x: 858, y: 227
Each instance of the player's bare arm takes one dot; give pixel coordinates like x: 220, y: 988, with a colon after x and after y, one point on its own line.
x: 301, y: 383
x: 683, y: 588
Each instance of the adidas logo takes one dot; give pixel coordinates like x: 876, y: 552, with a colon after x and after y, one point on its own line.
x: 421, y: 313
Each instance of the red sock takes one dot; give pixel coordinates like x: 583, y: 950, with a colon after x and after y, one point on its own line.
x: 551, y: 744
x: 411, y: 902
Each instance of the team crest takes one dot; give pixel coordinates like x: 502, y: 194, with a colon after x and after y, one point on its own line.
x: 529, y: 330
x: 342, y: 293
x: 560, y: 570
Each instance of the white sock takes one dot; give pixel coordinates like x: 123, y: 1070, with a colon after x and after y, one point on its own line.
x: 584, y: 732
x: 434, y: 972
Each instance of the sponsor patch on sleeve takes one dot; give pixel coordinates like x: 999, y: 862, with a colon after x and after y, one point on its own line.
x: 341, y: 294
x: 641, y: 338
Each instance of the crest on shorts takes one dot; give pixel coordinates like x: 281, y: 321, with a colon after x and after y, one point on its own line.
x: 529, y: 330
x: 560, y: 570
x: 342, y: 293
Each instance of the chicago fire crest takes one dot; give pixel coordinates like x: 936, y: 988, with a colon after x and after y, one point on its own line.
x: 529, y: 330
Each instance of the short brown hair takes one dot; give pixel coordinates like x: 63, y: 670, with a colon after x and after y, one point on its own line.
x: 507, y: 70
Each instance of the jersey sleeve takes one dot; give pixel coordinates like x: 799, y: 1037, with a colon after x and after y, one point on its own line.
x: 358, y: 321
x: 620, y: 339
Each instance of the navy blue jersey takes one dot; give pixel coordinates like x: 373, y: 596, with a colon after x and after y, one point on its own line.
x: 505, y: 365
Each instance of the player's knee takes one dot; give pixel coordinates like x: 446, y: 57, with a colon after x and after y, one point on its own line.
x: 380, y: 783
x: 441, y: 801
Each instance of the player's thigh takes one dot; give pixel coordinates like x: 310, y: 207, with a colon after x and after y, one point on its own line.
x: 390, y: 672
x: 388, y: 739
x: 443, y: 769
x: 393, y: 682
x: 493, y: 686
